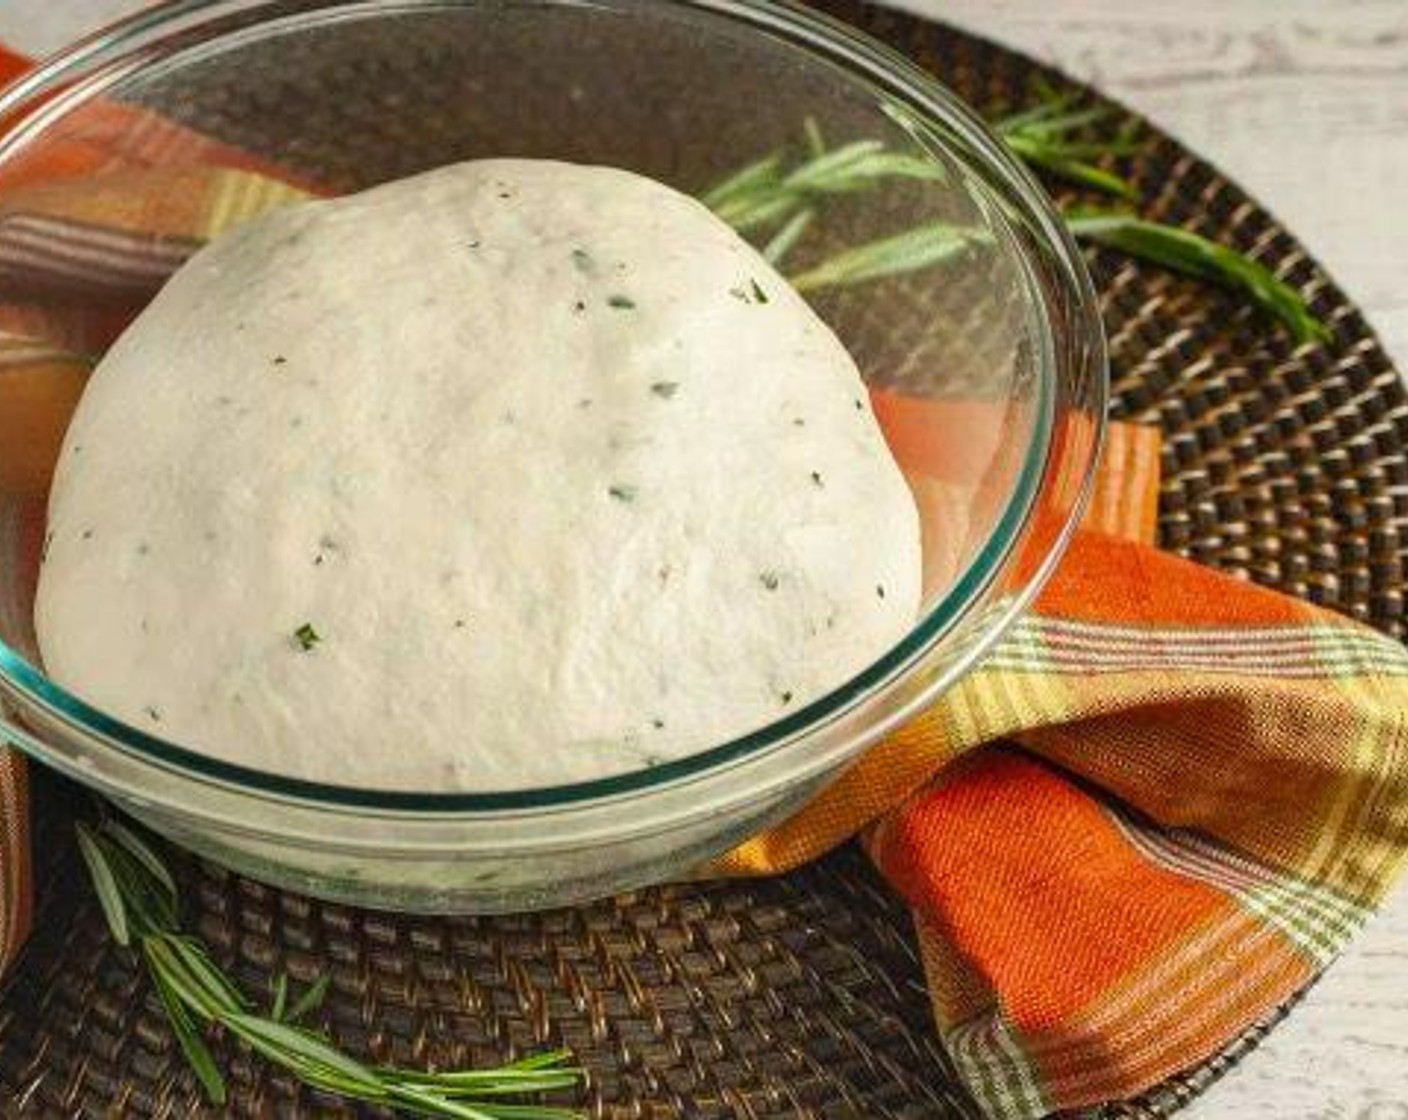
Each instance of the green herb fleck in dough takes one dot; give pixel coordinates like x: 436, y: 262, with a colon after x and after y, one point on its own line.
x: 816, y: 478
x: 306, y: 637
x: 585, y: 402
x: 579, y: 307
x: 770, y: 580
x: 460, y: 624
x: 622, y: 493
x: 622, y: 303
x: 87, y: 534
x: 152, y: 713
x: 879, y: 590
x: 658, y: 724
x: 798, y: 422
x: 279, y: 359
x: 583, y: 260
x: 752, y: 294
x: 787, y: 697
x: 665, y: 389
x: 859, y: 407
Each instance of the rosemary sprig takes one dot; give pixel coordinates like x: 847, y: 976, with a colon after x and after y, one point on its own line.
x: 766, y: 194
x: 1043, y: 137
x: 1182, y: 251
x: 1055, y: 136
x: 140, y: 901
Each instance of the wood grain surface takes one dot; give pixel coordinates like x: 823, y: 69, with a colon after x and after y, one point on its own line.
x: 1305, y: 102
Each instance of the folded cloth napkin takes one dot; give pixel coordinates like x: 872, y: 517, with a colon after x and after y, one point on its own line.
x: 1192, y: 790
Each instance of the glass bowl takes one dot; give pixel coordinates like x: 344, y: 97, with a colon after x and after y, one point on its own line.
x: 987, y: 372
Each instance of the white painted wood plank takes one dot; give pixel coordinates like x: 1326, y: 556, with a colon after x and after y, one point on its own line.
x: 1305, y: 102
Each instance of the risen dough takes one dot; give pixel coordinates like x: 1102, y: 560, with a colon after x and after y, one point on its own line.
x: 508, y: 474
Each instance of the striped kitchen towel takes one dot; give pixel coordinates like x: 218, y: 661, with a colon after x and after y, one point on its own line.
x: 1191, y: 790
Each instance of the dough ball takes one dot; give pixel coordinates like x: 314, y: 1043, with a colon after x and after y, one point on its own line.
x: 509, y: 474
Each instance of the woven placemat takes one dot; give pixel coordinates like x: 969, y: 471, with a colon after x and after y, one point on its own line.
x: 799, y: 996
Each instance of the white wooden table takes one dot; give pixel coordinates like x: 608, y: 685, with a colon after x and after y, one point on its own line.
x: 1305, y: 102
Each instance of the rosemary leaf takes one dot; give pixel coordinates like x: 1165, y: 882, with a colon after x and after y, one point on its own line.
x: 1044, y: 110
x: 890, y: 256
x: 310, y: 1000
x: 198, y: 1055
x: 785, y: 239
x: 279, y: 1003
x: 765, y: 172
x: 749, y: 212
x: 214, y: 983
x: 1056, y: 124
x: 426, y: 1100
x: 104, y: 885
x: 1183, y: 251
x: 140, y: 851
x: 294, y: 1046
x: 1059, y: 161
x: 831, y: 167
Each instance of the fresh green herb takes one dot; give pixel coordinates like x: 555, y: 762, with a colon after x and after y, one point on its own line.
x: 306, y: 636
x: 140, y: 902
x: 783, y: 241
x: 765, y: 194
x: 890, y: 256
x: 622, y: 493
x: 665, y: 389
x: 1045, y: 137
x: 759, y: 296
x: 1056, y: 136
x: 621, y: 303
x: 1180, y: 250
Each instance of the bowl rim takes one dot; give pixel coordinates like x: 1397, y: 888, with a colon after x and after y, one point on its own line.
x: 821, y: 36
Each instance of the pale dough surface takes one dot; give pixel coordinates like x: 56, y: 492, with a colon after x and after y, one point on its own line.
x: 555, y: 475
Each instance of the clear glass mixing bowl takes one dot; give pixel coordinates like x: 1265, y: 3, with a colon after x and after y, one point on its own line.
x: 987, y: 372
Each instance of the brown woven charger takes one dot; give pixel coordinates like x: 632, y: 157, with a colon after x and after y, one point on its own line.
x: 798, y: 996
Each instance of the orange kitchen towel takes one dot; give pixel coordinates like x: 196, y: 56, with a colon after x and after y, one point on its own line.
x: 1191, y: 790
